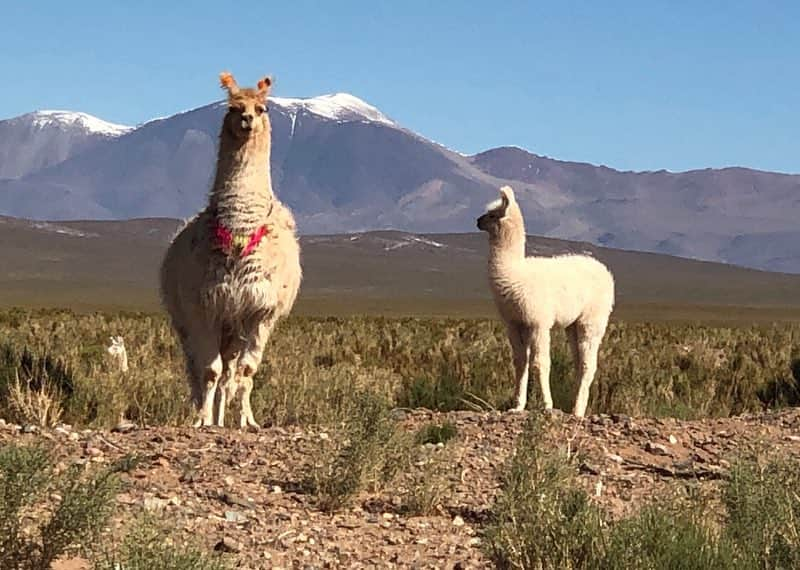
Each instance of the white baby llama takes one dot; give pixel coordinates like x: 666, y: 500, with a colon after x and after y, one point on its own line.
x: 234, y: 270
x: 533, y: 294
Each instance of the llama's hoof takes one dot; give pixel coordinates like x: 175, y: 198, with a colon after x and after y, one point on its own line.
x: 251, y: 427
x: 517, y: 410
x: 203, y: 422
x: 553, y: 412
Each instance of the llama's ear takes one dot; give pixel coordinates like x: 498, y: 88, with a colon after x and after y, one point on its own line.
x: 264, y: 84
x: 227, y: 81
x: 506, y: 196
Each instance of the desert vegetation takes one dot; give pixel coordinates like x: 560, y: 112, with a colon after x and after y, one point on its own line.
x: 52, y: 368
x: 544, y: 519
x: 342, y: 397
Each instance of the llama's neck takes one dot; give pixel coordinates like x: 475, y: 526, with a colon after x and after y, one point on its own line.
x: 242, y: 193
x: 507, y: 248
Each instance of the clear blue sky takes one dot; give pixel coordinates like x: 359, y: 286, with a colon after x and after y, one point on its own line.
x: 639, y: 85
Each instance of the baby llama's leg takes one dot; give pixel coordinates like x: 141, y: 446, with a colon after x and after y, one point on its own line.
x: 589, y: 338
x: 519, y: 336
x: 541, y: 363
x: 574, y: 346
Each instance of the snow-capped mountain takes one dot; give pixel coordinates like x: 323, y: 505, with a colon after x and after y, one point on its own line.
x: 344, y: 166
x: 71, y: 119
x: 340, y: 107
x: 41, y: 139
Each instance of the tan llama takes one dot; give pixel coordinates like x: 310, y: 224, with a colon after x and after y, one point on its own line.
x: 234, y: 269
x: 534, y: 294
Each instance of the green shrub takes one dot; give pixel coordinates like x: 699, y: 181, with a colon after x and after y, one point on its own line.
x: 145, y: 548
x: 763, y: 507
x: 29, y: 484
x: 436, y: 433
x: 659, y: 538
x: 541, y: 518
x: 363, y: 448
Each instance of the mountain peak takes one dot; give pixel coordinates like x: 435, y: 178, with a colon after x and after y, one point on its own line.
x: 47, y: 118
x: 342, y: 107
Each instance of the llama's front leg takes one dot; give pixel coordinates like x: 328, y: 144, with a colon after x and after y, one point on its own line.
x: 519, y: 335
x: 226, y: 389
x: 541, y: 363
x: 589, y: 346
x: 248, y: 365
x: 209, y: 375
x: 246, y: 419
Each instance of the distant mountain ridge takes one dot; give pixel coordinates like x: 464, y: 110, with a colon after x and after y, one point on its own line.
x: 114, y: 264
x: 344, y: 166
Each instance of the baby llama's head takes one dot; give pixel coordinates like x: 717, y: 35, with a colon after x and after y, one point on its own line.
x: 503, y: 216
x: 247, y: 108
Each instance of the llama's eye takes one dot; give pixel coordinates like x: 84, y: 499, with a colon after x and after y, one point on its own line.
x: 261, y: 109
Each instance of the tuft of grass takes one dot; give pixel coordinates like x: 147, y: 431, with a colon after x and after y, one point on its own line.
x: 363, y: 448
x: 436, y: 433
x: 28, y: 485
x: 144, y: 548
x: 763, y: 509
x: 658, y: 537
x: 429, y: 487
x: 542, y: 519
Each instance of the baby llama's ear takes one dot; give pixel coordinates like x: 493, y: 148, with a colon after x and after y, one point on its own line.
x: 227, y: 81
x: 506, y: 195
x: 263, y: 85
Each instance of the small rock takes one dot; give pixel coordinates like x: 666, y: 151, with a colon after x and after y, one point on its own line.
x: 93, y: 452
x: 793, y: 438
x: 589, y: 468
x: 388, y: 516
x: 656, y: 449
x: 615, y: 458
x: 277, y: 490
x: 235, y: 517
x: 154, y: 504
x: 620, y: 418
x: 124, y: 426
x: 458, y: 521
x: 672, y: 439
x: 30, y: 428
x: 227, y: 545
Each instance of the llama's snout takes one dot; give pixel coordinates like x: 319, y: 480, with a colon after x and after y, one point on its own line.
x: 481, y: 222
x: 247, y: 121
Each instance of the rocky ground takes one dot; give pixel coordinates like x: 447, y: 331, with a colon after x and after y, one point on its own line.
x: 240, y: 491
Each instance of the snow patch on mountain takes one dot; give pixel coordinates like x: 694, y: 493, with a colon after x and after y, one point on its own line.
x: 340, y: 107
x: 90, y: 123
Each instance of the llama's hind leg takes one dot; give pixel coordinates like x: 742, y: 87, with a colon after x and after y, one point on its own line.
x: 589, y: 338
x: 541, y: 363
x: 519, y: 336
